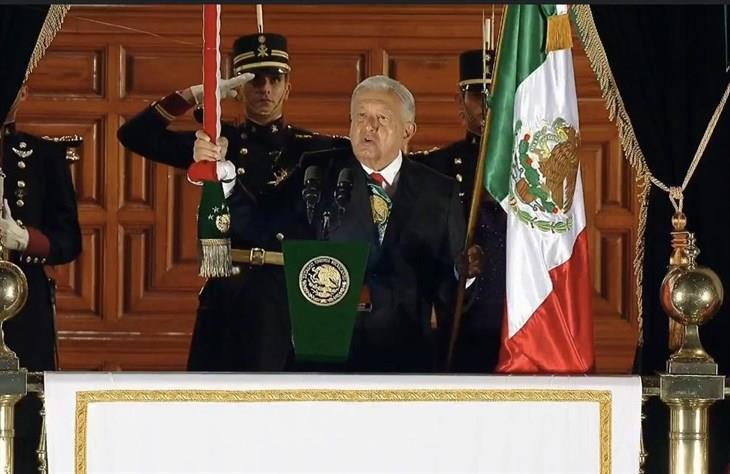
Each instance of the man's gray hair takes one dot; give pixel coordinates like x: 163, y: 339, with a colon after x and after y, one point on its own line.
x: 385, y: 83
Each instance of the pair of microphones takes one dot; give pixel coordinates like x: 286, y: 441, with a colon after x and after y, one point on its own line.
x: 312, y: 190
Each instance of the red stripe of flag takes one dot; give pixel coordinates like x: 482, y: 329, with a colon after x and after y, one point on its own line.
x: 558, y: 337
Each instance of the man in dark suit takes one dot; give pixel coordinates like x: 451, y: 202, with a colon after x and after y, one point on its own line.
x: 39, y: 225
x: 258, y: 159
x: 412, y: 217
x: 477, y: 348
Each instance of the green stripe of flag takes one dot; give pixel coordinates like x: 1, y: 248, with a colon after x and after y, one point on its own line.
x: 522, y: 51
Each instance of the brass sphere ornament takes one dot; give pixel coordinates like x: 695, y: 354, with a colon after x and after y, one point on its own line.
x: 13, y: 293
x: 13, y: 289
x: 690, y: 294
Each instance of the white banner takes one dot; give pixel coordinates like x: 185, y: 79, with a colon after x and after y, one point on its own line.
x: 305, y: 423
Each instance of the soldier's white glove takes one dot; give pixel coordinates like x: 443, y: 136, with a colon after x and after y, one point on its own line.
x: 226, y: 171
x: 12, y: 236
x: 226, y: 87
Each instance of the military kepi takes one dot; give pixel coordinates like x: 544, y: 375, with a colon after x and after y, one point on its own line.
x: 260, y: 51
x: 470, y: 69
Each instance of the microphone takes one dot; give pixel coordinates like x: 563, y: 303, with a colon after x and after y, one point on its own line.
x: 311, y: 191
x: 343, y: 191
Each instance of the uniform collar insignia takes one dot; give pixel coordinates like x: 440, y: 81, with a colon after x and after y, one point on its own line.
x: 473, y: 139
x: 272, y: 128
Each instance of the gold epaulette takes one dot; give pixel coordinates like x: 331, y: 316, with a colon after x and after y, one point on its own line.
x: 422, y: 153
x: 64, y: 138
x: 72, y: 142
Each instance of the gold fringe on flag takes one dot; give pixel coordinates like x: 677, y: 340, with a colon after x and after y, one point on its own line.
x: 215, y: 258
x: 559, y: 35
x: 51, y: 26
x: 596, y: 53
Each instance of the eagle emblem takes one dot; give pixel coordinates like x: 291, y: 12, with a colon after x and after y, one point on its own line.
x: 544, y: 175
x: 220, y: 217
x: 223, y: 222
x: 324, y: 281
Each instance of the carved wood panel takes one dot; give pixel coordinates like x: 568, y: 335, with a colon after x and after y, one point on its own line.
x: 129, y: 301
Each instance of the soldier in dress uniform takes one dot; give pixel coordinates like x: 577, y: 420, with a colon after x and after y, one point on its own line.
x: 39, y: 225
x: 243, y: 320
x: 478, y: 346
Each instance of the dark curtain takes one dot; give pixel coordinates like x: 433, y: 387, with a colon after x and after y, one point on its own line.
x: 19, y: 29
x: 669, y: 66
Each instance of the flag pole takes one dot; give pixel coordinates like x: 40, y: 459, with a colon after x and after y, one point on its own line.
x: 213, y: 217
x: 476, y: 198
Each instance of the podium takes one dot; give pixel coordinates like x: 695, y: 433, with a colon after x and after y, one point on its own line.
x: 324, y: 280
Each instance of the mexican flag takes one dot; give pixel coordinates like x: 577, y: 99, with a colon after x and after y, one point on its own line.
x: 532, y: 169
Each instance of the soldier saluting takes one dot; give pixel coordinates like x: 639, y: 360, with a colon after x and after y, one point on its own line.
x: 243, y: 320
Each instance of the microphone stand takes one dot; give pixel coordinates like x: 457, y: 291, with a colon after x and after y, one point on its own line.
x: 326, y: 225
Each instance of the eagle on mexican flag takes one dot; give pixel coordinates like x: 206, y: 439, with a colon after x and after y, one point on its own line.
x: 532, y: 169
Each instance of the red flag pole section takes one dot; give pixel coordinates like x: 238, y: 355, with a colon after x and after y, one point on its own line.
x: 207, y: 170
x: 211, y: 70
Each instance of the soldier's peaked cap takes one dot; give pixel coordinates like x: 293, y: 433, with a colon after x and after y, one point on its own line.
x: 470, y: 68
x: 260, y: 51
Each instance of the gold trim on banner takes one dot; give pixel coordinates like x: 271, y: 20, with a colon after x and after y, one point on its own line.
x: 602, y: 397
x: 51, y: 26
x: 598, y: 60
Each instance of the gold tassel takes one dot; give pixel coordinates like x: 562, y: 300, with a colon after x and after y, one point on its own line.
x: 593, y: 46
x: 215, y: 258
x: 51, y: 26
x: 559, y: 35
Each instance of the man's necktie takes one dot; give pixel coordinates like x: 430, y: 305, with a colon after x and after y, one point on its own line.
x: 380, y: 204
x: 378, y: 179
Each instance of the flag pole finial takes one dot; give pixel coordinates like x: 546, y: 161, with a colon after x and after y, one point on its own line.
x: 259, y: 18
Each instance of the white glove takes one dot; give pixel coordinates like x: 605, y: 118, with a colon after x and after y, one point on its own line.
x: 226, y: 172
x: 12, y: 236
x: 226, y: 87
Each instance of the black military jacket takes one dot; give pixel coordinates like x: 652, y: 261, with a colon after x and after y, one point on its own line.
x: 41, y: 197
x: 40, y: 192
